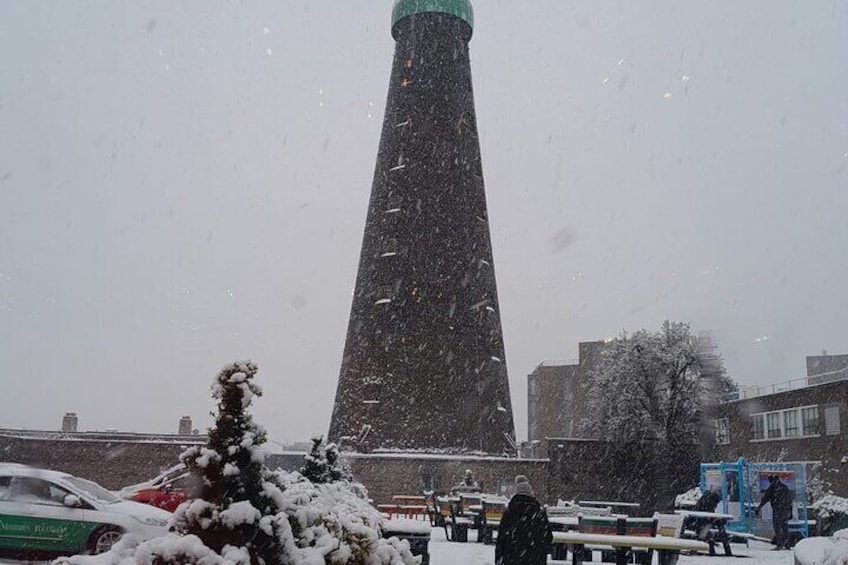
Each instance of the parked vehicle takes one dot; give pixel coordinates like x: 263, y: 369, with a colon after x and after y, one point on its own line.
x: 43, y: 510
x: 166, y: 491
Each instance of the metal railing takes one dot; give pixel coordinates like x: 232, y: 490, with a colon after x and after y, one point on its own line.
x: 754, y: 391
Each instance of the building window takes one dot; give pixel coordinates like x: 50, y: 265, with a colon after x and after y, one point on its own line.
x: 773, y: 425
x: 532, y: 404
x: 722, y: 432
x: 757, y: 427
x: 810, y: 420
x: 790, y: 423
x: 831, y: 420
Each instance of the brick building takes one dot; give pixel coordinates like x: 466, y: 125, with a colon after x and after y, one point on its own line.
x: 803, y: 424
x: 556, y: 396
x: 826, y: 368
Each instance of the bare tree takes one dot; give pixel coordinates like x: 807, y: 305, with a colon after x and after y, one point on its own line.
x: 651, y: 400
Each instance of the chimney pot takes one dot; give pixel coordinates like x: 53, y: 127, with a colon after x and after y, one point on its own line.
x: 70, y: 422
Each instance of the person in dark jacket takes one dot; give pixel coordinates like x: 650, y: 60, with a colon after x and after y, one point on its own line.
x: 707, y: 503
x: 780, y: 497
x: 524, y: 534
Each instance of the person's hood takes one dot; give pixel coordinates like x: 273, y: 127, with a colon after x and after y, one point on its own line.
x: 523, y: 503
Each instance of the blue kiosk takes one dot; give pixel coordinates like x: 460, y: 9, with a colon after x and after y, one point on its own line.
x: 742, y: 485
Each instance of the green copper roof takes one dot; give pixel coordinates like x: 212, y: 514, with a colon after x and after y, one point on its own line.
x: 460, y: 8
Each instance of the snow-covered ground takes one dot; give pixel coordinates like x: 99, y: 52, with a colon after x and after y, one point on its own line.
x: 443, y: 552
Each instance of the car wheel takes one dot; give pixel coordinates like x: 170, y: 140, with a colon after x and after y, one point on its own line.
x: 104, y: 538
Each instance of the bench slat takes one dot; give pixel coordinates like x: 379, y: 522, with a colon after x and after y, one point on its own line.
x: 630, y: 541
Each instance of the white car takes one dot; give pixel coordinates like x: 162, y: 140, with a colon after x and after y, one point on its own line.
x: 51, y: 511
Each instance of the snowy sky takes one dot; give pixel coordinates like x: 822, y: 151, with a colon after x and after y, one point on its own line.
x: 185, y: 184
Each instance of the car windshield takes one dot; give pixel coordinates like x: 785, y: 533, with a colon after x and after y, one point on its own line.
x: 169, y: 475
x: 93, y: 490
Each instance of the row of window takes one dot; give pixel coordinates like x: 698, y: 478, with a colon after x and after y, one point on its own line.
x: 792, y: 423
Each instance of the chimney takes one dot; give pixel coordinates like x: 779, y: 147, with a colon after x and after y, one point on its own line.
x: 69, y: 422
x: 185, y: 426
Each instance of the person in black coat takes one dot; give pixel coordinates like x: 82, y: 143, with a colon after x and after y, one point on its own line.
x: 707, y: 503
x: 524, y: 534
x: 780, y: 497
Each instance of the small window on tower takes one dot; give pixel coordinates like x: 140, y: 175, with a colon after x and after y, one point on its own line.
x: 408, y: 64
x: 390, y: 247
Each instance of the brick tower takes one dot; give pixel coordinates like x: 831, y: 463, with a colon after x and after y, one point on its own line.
x: 424, y: 366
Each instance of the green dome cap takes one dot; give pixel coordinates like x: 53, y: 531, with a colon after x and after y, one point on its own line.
x: 460, y: 8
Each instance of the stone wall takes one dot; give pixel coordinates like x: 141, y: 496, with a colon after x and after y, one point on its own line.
x: 387, y: 474
x: 113, y: 464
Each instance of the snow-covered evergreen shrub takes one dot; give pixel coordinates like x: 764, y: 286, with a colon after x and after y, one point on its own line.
x: 244, y: 514
x: 831, y: 513
x: 688, y: 499
x: 324, y: 464
x: 334, y: 523
x: 231, y: 505
x: 831, y: 505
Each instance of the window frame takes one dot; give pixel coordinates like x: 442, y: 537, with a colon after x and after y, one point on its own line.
x: 817, y: 430
x: 761, y: 418
x: 774, y: 431
x: 801, y: 430
x: 795, y: 427
x: 832, y: 409
x: 722, y: 431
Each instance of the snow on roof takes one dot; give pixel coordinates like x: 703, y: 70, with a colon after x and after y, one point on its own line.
x: 378, y: 454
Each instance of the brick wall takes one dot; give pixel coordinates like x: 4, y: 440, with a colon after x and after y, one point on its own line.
x: 387, y: 474
x: 113, y: 464
x: 549, y: 401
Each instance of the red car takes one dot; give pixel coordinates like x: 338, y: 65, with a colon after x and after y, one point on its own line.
x: 167, y: 491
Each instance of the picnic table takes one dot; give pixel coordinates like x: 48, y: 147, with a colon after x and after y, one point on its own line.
x: 612, y: 503
x: 405, y: 506
x: 563, y: 523
x: 717, y: 532
x: 667, y: 548
x: 410, y: 499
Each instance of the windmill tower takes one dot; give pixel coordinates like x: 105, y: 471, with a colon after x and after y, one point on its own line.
x: 424, y: 366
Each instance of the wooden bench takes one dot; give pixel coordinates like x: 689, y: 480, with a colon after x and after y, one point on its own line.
x: 450, y: 515
x: 443, y: 514
x: 469, y: 500
x: 573, y: 510
x: 606, y: 525
x: 402, y: 510
x: 669, y: 525
x: 709, y: 527
x: 390, y: 510
x: 668, y: 549
x: 493, y: 511
x: 618, y: 526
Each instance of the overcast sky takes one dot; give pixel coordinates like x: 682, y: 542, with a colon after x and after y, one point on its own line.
x: 185, y: 184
